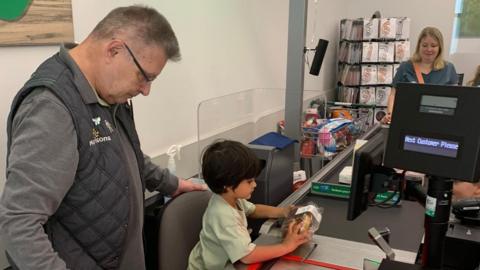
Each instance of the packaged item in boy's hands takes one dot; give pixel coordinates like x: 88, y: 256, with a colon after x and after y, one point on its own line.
x: 310, y: 215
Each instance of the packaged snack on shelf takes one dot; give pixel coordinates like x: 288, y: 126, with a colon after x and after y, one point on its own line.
x: 370, y: 52
x: 308, y: 148
x: 379, y: 114
x: 402, y: 50
x: 367, y: 95
x: 388, y: 28
x: 299, y: 178
x: 369, y: 74
x: 381, y: 97
x: 386, y: 52
x: 334, y: 136
x: 327, y: 146
x: 310, y: 215
x: 403, y: 28
x: 340, y: 113
x: 384, y: 74
x: 370, y: 28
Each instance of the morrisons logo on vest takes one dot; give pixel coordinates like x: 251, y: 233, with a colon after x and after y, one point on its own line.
x: 97, y: 139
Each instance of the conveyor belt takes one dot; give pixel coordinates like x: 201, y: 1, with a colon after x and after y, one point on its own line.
x: 405, y: 222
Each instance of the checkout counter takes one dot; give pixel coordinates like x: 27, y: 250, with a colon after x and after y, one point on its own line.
x: 345, y: 243
x: 342, y: 244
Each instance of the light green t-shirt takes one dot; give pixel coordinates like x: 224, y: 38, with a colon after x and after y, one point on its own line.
x: 224, y: 238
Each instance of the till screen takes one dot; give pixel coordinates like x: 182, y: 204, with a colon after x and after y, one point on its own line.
x: 433, y: 146
x: 438, y: 105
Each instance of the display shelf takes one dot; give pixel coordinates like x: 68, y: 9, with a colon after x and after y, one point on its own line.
x: 374, y: 40
x: 368, y: 63
x: 369, y: 53
x: 355, y: 105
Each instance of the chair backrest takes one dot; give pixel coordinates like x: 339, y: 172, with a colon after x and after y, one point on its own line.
x: 180, y: 225
x: 460, y: 78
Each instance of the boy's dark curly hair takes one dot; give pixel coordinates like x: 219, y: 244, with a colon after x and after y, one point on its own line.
x: 226, y: 163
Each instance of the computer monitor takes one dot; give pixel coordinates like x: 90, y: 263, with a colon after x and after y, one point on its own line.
x: 435, y: 131
x: 367, y: 161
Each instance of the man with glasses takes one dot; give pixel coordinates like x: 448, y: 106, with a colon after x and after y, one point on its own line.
x: 76, y: 175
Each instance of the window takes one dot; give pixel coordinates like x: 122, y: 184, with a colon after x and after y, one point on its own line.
x: 468, y: 15
x: 466, y: 27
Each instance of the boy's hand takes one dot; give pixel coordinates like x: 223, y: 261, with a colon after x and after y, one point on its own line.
x: 295, y: 236
x: 287, y: 210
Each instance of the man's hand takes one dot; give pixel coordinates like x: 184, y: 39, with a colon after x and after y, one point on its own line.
x: 187, y: 186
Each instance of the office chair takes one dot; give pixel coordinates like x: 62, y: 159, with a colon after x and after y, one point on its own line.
x: 460, y: 78
x: 180, y: 225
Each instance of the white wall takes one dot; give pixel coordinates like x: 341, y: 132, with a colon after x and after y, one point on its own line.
x: 466, y: 63
x: 467, y: 57
x: 323, y: 22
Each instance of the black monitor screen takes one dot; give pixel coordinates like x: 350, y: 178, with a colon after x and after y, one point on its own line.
x: 366, y: 160
x: 433, y: 146
x: 438, y: 104
x: 434, y: 131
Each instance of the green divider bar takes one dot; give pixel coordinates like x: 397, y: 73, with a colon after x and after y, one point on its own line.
x: 343, y: 192
x: 332, y: 190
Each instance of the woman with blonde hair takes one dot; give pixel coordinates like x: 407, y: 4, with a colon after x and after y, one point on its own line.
x: 425, y: 66
x: 476, y: 79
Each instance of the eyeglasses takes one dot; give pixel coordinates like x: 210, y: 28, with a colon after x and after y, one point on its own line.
x: 147, y: 79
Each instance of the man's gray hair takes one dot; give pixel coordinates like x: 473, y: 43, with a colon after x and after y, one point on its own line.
x: 145, y: 23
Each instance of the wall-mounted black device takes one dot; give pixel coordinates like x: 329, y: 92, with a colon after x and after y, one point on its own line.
x: 318, y: 57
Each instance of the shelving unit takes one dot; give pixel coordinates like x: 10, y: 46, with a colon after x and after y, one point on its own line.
x: 370, y: 51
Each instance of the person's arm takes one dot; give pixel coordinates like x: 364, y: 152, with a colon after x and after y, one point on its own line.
x: 161, y: 180
x: 391, y: 101
x: 292, y: 240
x: 41, y: 168
x: 266, y: 211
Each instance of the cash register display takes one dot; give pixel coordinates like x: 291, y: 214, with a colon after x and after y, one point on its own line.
x: 433, y: 146
x: 438, y: 105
